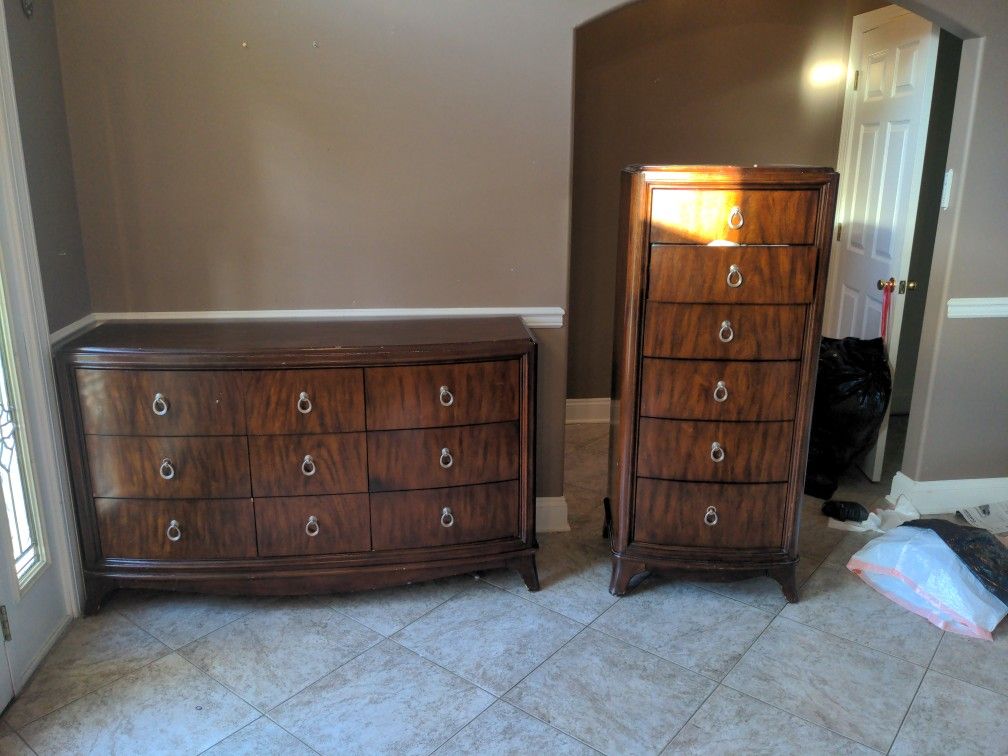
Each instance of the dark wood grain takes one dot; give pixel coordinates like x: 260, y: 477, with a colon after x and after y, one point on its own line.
x: 770, y: 216
x: 761, y: 332
x: 685, y: 389
x: 339, y: 461
x: 197, y: 403
x: 672, y: 513
x: 410, y: 397
x: 335, y: 401
x: 399, y: 460
x: 768, y: 275
x: 402, y: 520
x: 221, y: 529
x: 127, y: 467
x: 344, y: 525
x: 681, y: 450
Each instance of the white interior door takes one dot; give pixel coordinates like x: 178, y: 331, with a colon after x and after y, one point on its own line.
x: 885, y: 121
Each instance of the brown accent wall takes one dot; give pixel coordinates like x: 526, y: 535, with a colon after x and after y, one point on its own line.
x: 668, y: 81
x: 38, y: 90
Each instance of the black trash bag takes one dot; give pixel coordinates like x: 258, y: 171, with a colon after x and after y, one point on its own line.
x: 981, y: 551
x: 852, y: 394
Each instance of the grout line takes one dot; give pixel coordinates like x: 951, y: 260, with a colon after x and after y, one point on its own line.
x: 916, y: 692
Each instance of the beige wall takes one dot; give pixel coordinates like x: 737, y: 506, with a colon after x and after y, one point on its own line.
x: 417, y: 157
x: 668, y: 81
x: 39, y: 93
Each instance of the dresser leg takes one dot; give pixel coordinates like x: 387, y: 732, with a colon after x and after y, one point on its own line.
x: 623, y: 572
x: 526, y: 567
x: 788, y: 579
x: 95, y: 591
x: 606, y: 518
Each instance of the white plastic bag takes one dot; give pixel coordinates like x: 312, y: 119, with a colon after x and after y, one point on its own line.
x: 915, y: 568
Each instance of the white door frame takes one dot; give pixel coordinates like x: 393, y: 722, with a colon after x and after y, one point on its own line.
x: 861, y: 24
x: 30, y: 339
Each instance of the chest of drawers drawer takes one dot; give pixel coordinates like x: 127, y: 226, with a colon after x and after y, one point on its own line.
x: 305, y: 401
x: 425, y: 396
x: 170, y: 467
x: 301, y: 465
x: 724, y: 332
x: 305, y: 525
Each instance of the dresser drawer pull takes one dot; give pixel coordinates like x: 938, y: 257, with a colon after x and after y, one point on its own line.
x: 735, y: 219
x: 174, y: 532
x: 447, y: 518
x: 716, y: 452
x: 710, y: 517
x: 308, y: 466
x: 312, y: 528
x: 304, y: 403
x: 160, y: 405
x: 734, y: 276
x: 167, y: 469
x: 446, y: 397
x: 720, y: 392
x: 726, y: 333
x: 446, y: 460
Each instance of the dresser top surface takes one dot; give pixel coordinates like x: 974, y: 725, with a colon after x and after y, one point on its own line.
x: 729, y: 174
x: 238, y: 337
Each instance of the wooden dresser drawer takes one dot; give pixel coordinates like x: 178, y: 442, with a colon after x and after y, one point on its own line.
x: 746, y: 216
x: 446, y: 516
x: 724, y: 332
x: 142, y: 529
x: 747, y: 516
x: 303, y: 525
x: 426, y: 396
x: 685, y: 450
x: 302, y: 465
x: 305, y: 401
x: 172, y: 467
x: 437, y: 457
x: 709, y: 390
x: 753, y: 275
x: 161, y: 402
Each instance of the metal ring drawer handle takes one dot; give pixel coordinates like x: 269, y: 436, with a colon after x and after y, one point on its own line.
x: 167, y: 469
x: 446, y: 397
x: 304, y: 403
x: 717, y: 453
x: 726, y: 333
x: 720, y: 392
x: 735, y: 218
x: 446, y: 460
x: 734, y: 276
x: 711, y: 517
x: 447, y: 518
x: 160, y: 405
x: 312, y: 528
x: 308, y: 466
x: 174, y: 532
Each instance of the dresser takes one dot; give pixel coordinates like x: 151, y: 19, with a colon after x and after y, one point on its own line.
x: 293, y: 457
x: 721, y: 281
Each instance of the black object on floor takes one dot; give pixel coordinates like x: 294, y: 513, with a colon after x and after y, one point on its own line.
x: 852, y: 393
x: 844, y: 510
x: 979, y: 549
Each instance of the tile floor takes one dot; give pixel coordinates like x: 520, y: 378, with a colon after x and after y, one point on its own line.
x: 479, y: 665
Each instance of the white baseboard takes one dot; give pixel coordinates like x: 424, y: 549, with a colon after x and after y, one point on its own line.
x: 69, y: 330
x: 978, y: 307
x: 944, y: 496
x: 588, y: 410
x: 551, y: 514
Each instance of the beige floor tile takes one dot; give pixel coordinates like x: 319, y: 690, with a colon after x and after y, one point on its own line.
x: 730, y: 722
x: 11, y: 743
x: 280, y: 649
x: 983, y: 663
x: 846, y: 687
x: 93, y: 652
x: 685, y: 624
x: 763, y: 593
x: 388, y: 610
x: 488, y: 636
x: 949, y: 716
x: 167, y: 707
x: 177, y: 619
x: 387, y: 700
x: 261, y: 738
x: 503, y: 730
x: 577, y: 435
x: 610, y: 695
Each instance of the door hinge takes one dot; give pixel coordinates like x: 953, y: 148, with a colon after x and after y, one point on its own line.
x: 839, y: 230
x: 5, y: 623
x: 857, y: 75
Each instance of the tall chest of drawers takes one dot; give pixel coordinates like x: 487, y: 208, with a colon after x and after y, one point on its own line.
x: 297, y: 457
x: 722, y: 275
